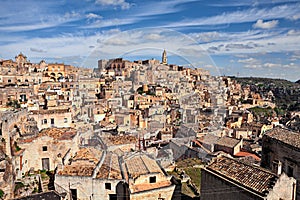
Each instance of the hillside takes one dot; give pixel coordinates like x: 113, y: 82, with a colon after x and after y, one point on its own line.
x: 286, y: 93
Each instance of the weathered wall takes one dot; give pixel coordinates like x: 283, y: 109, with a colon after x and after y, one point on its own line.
x: 165, y: 193
x: 285, y: 188
x: 87, y: 187
x: 274, y: 151
x: 214, y: 187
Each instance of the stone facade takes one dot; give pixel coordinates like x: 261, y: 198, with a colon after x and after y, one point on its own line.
x: 226, y: 178
x: 281, y: 153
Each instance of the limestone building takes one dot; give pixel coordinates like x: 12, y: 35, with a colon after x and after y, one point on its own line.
x: 146, y: 179
x: 164, y: 59
x: 281, y: 153
x: 226, y: 178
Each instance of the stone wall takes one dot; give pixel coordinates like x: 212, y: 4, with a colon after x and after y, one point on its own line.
x: 214, y: 187
x: 89, y: 188
x: 274, y: 151
x: 165, y: 193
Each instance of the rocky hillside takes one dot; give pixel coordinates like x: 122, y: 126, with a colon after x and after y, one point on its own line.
x: 286, y: 93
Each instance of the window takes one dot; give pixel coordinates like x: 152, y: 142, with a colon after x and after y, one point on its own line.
x: 108, y: 186
x: 152, y: 179
x: 65, y: 120
x: 52, y: 121
x: 74, y: 194
x: 44, y: 148
x: 45, y: 121
x: 9, y: 81
x: 290, y: 171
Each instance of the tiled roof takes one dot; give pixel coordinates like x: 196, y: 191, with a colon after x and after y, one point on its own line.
x: 245, y: 154
x: 209, y: 139
x: 141, y: 164
x: 83, y: 163
x: 285, y: 136
x: 81, y: 168
x: 59, y: 133
x: 119, y: 139
x: 251, y: 177
x: 110, y: 169
x: 146, y: 186
x: 228, y: 142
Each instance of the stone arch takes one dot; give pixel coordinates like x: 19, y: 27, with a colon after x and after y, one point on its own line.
x: 122, y: 191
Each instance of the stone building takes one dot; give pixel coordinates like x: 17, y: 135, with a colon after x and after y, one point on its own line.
x: 91, y: 174
x: 47, y: 149
x: 117, y: 66
x: 146, y: 179
x: 229, y: 145
x: 60, y: 118
x: 281, y: 153
x: 226, y: 178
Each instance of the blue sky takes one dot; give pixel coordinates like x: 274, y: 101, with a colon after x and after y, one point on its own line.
x: 234, y: 37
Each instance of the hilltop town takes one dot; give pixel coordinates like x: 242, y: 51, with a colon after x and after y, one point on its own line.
x: 142, y: 129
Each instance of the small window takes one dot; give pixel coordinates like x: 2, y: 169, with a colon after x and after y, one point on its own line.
x: 290, y: 171
x: 45, y: 148
x: 108, y: 186
x: 52, y: 121
x: 65, y: 120
x: 45, y: 121
x: 9, y: 81
x: 152, y: 179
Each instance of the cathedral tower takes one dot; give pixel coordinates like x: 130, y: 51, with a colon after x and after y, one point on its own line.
x: 164, y: 59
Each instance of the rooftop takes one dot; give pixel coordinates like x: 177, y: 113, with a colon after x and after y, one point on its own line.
x: 146, y: 186
x: 54, y: 111
x: 228, y: 142
x: 139, y: 164
x: 110, y: 169
x: 251, y: 177
x: 83, y: 163
x: 119, y: 139
x: 285, y: 136
x: 209, y: 139
x: 59, y: 133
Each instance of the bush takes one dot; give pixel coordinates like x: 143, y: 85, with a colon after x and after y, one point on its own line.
x: 1, y: 193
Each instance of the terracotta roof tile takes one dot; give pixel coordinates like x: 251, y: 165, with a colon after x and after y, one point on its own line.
x: 59, y: 133
x: 285, y: 136
x: 249, y: 176
x: 227, y: 141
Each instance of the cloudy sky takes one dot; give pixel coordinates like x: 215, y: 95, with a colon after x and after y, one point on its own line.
x: 233, y: 37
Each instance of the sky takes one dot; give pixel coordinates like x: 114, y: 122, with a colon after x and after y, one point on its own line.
x: 232, y: 37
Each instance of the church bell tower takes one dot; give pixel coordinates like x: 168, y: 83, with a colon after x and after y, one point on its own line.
x: 164, y: 59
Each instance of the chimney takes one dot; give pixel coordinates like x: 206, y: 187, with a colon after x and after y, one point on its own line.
x: 279, y: 168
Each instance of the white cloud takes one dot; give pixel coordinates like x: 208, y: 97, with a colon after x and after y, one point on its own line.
x: 265, y: 25
x: 121, y: 3
x: 241, y: 16
x: 293, y: 32
x: 271, y: 65
x: 295, y: 17
x: 291, y: 66
x: 45, y: 22
x: 153, y: 36
x: 93, y: 16
x: 37, y: 50
x: 100, y: 23
x: 249, y: 61
x: 206, y: 36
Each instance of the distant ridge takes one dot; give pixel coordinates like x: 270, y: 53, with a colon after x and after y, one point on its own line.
x: 298, y: 81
